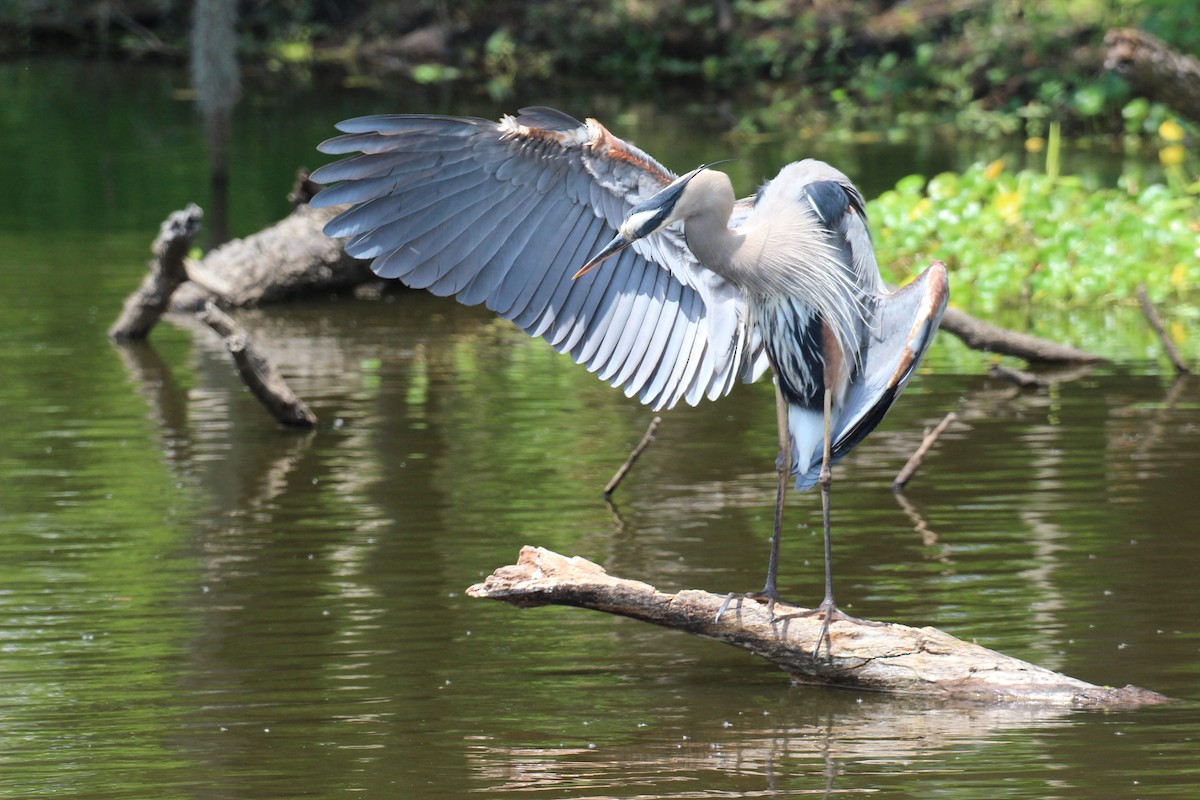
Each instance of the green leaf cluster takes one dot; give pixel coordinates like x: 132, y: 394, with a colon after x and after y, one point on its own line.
x: 1037, y: 239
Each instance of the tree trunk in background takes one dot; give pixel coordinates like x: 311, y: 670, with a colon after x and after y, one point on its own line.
x: 217, y: 83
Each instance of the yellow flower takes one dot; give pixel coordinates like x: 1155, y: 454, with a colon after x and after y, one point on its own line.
x: 1035, y: 144
x: 1009, y: 205
x: 1172, y: 155
x: 919, y: 210
x: 1179, y: 274
x: 1171, y: 131
x: 994, y: 169
x: 1178, y: 333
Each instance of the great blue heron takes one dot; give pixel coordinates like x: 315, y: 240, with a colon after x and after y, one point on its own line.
x: 508, y: 213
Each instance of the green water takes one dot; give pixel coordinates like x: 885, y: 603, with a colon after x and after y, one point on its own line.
x: 197, y: 604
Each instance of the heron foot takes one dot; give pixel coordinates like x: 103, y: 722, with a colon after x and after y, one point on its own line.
x: 769, y: 596
x: 828, y: 612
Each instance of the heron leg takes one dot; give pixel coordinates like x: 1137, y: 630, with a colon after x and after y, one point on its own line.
x: 827, y: 610
x: 783, y: 467
x: 828, y: 607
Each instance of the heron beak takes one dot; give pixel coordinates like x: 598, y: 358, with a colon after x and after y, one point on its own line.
x: 618, y: 244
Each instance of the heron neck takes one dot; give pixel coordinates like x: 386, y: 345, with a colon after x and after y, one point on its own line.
x: 716, y: 247
x: 736, y: 255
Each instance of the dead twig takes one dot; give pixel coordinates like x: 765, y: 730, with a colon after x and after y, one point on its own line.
x: 259, y: 374
x: 914, y: 462
x: 633, y: 457
x: 167, y: 271
x: 1155, y: 321
x: 881, y: 657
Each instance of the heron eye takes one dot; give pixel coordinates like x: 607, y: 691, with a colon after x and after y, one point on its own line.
x: 642, y: 223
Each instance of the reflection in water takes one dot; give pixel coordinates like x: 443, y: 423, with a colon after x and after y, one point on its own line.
x: 789, y: 751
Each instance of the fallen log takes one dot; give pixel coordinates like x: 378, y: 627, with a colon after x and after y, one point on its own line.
x: 1155, y: 70
x: 880, y: 657
x: 290, y: 258
x: 980, y: 335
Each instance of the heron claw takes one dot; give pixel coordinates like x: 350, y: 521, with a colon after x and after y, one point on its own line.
x: 829, y: 612
x: 770, y: 597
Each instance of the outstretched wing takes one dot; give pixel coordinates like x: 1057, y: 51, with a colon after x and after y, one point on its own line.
x: 901, y: 330
x: 505, y: 213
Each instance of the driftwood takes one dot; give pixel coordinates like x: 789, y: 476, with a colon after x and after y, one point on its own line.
x: 980, y: 335
x: 258, y: 373
x: 144, y: 307
x: 878, y: 657
x: 913, y: 464
x: 1155, y: 70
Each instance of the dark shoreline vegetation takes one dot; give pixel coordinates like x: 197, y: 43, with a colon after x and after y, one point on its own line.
x: 860, y: 71
x: 991, y: 68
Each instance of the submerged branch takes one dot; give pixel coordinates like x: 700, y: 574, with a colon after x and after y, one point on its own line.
x: 1151, y: 314
x: 914, y: 462
x: 884, y: 658
x: 257, y: 371
x: 616, y: 479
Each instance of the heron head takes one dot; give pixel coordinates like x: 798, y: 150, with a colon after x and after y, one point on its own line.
x: 652, y: 214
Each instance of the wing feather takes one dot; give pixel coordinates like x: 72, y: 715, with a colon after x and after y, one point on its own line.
x: 504, y: 213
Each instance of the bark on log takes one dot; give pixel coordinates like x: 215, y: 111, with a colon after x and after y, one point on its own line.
x: 291, y: 257
x: 1155, y: 70
x: 258, y: 373
x: 881, y: 657
x: 980, y: 335
x: 144, y: 307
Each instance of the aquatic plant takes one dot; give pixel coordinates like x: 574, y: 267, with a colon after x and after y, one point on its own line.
x: 1048, y: 240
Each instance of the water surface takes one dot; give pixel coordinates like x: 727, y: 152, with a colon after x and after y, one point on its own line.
x: 196, y: 603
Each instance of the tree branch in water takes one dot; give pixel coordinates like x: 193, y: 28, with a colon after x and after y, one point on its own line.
x: 980, y: 335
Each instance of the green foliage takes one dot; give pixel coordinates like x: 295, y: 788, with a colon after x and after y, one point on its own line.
x: 1045, y: 240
